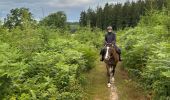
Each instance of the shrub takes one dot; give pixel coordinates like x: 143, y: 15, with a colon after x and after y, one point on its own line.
x: 146, y: 54
x: 41, y: 64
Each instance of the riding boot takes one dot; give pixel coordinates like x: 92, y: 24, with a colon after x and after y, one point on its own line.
x: 102, y: 58
x: 102, y: 53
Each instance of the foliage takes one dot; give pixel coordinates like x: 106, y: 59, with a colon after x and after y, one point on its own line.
x: 146, y: 53
x: 89, y: 36
x: 42, y: 63
x: 55, y: 20
x: 119, y: 15
x: 18, y: 18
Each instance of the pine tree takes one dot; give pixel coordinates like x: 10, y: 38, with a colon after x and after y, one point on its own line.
x: 119, y: 15
x: 83, y: 19
x: 99, y: 22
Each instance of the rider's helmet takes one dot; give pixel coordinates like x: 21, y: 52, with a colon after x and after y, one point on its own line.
x: 109, y: 29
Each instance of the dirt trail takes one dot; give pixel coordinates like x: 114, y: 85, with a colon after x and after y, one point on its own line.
x: 113, y: 92
x: 96, y: 86
x: 122, y: 88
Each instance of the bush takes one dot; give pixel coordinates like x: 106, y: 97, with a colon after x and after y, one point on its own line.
x: 41, y: 64
x: 146, y: 54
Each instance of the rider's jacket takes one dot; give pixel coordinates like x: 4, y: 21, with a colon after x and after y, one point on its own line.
x: 110, y: 37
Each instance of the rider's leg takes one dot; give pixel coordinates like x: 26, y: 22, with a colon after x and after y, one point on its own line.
x: 102, y: 53
x: 120, y: 59
x: 118, y: 50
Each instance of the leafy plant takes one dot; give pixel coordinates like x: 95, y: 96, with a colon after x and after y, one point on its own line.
x: 146, y: 53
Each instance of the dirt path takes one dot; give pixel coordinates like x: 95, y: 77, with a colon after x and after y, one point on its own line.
x: 113, y: 92
x: 96, y: 88
x: 122, y: 88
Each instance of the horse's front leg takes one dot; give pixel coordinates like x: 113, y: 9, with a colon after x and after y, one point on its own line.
x: 113, y: 72
x: 109, y: 72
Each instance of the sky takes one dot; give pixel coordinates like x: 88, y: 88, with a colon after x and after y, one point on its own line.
x: 42, y: 8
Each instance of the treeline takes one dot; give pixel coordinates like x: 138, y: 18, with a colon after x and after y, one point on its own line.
x: 21, y: 18
x: 119, y: 15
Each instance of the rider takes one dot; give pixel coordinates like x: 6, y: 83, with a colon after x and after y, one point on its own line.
x: 110, y: 37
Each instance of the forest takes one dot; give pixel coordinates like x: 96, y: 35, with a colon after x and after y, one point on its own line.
x: 44, y: 60
x: 119, y: 16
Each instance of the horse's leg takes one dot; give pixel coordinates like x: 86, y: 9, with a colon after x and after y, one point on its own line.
x: 113, y: 71
x: 108, y: 74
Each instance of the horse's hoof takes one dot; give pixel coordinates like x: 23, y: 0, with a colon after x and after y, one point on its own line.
x: 108, y: 85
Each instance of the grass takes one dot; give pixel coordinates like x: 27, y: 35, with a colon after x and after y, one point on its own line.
x: 96, y: 87
x: 127, y: 88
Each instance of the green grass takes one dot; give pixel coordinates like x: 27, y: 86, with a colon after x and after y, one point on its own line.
x: 96, y: 87
x: 127, y: 88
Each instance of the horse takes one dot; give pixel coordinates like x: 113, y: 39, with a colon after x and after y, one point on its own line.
x: 111, y: 59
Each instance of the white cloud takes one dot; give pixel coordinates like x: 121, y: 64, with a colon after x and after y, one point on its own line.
x: 68, y: 3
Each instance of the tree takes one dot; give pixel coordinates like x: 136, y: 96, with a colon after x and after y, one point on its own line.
x: 125, y: 14
x: 106, y: 15
x: 99, y: 16
x: 18, y: 18
x: 117, y: 19
x: 91, y: 17
x: 83, y: 19
x: 55, y: 20
x: 120, y: 15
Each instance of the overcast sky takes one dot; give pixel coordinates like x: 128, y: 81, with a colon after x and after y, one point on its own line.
x: 41, y: 8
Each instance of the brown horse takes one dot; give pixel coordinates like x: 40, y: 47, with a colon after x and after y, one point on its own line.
x: 111, y: 59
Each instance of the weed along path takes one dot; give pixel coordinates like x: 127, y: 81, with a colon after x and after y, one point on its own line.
x: 122, y: 88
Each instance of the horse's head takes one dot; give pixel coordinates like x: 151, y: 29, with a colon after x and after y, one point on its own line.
x: 109, y: 51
